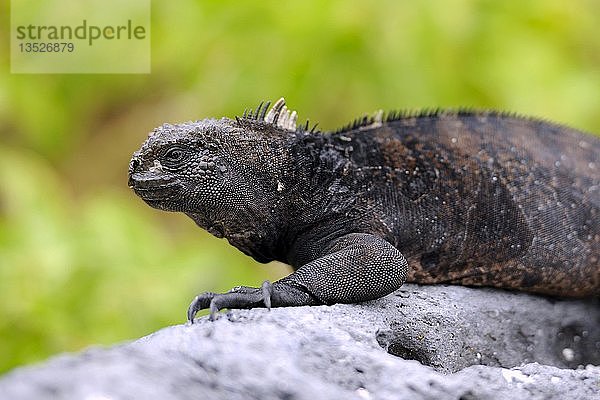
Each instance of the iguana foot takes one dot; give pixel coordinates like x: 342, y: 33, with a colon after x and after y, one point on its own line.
x: 278, y: 294
x: 238, y: 297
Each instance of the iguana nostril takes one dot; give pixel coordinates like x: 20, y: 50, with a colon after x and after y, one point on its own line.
x: 133, y: 165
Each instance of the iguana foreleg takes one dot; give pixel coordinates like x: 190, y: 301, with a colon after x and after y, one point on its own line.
x: 352, y: 268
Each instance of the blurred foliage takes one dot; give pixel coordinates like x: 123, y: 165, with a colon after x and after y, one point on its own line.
x: 83, y: 261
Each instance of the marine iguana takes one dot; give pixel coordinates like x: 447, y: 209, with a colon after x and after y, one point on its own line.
x: 466, y: 197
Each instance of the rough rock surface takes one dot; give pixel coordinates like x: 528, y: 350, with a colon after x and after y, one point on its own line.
x: 442, y: 342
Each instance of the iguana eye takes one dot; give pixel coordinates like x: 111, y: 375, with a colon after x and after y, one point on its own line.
x: 174, y: 155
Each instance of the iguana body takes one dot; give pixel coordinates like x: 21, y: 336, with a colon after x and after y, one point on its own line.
x: 466, y: 197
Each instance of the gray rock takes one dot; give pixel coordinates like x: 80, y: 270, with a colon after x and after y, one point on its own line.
x: 442, y: 342
x: 450, y: 328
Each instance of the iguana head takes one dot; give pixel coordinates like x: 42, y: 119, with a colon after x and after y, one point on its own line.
x: 226, y: 174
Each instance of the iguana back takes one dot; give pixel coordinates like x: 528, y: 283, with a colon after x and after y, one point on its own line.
x: 483, y: 198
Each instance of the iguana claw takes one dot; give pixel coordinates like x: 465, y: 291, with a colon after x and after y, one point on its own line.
x: 238, y: 297
x: 191, y: 311
x: 267, y: 291
x: 200, y: 302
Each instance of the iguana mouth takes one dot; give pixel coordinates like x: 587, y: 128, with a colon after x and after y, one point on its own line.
x: 152, y: 189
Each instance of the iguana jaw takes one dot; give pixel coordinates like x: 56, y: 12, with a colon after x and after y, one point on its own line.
x: 161, y: 192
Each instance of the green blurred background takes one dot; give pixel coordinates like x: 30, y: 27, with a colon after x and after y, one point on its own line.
x: 83, y: 261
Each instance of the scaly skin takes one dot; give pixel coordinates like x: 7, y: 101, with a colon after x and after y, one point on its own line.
x: 467, y: 197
